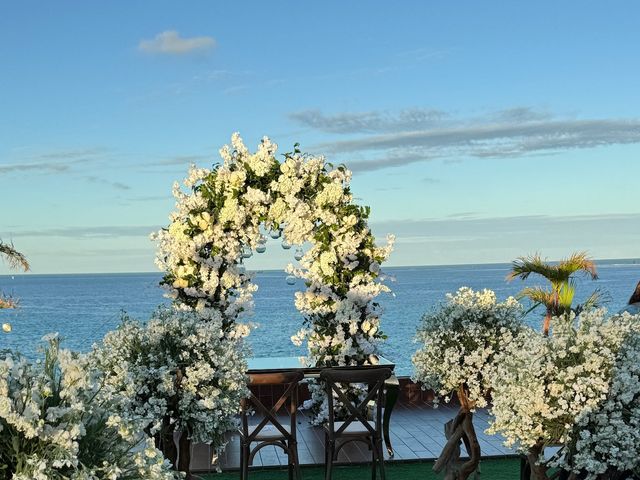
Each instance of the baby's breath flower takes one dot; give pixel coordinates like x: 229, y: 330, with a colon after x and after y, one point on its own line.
x: 460, y: 341
x: 57, y: 438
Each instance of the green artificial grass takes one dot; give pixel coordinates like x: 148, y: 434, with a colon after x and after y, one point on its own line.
x: 492, y: 469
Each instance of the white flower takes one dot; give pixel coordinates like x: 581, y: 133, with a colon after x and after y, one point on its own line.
x: 607, y: 437
x: 366, y: 326
x: 330, y: 195
x: 543, y: 386
x: 460, y: 341
x: 299, y: 337
x: 212, y: 372
x: 56, y: 438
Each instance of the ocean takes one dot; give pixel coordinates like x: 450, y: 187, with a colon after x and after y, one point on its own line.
x: 82, y: 308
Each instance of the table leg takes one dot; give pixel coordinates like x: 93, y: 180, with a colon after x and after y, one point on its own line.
x: 392, y: 390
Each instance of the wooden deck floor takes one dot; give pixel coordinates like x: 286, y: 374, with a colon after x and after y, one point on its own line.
x: 417, y: 433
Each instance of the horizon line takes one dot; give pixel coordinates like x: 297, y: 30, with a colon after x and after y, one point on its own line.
x: 630, y: 260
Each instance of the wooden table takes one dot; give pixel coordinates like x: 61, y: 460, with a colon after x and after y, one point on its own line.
x: 301, y: 364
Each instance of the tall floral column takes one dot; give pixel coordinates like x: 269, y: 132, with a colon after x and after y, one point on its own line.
x: 563, y: 389
x: 460, y: 341
x: 180, y: 375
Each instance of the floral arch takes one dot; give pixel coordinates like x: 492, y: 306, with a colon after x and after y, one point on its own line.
x: 301, y: 199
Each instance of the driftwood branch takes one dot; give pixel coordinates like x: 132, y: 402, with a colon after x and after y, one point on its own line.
x: 541, y: 471
x: 458, y: 430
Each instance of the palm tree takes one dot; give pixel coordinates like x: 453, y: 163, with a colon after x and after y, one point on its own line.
x: 14, y: 258
x: 559, y: 298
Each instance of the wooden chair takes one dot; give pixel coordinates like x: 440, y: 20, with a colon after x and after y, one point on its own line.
x: 357, y: 426
x: 269, y: 431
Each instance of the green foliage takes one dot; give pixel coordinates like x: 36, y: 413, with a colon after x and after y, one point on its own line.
x: 558, y: 299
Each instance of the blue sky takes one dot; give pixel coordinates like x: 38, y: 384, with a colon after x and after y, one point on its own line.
x: 477, y: 131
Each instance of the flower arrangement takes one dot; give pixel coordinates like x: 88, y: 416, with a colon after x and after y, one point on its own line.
x: 303, y: 200
x: 56, y: 423
x: 176, y: 373
x: 460, y: 342
x: 554, y: 390
x: 605, y: 442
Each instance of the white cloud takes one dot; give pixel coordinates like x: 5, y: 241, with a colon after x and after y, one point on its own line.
x: 53, y: 162
x: 396, y: 158
x: 385, y: 140
x: 505, y: 139
x: 170, y: 42
x: 103, y: 181
x: 370, y: 122
x: 42, y: 167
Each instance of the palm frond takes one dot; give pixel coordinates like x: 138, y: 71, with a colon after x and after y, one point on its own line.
x: 595, y: 300
x: 537, y: 295
x: 578, y: 262
x: 14, y: 258
x: 522, y: 267
x: 558, y: 273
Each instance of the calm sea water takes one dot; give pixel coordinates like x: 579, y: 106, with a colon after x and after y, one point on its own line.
x: 82, y: 308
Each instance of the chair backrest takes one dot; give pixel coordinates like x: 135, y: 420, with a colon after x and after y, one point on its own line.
x: 290, y: 381
x: 336, y: 378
